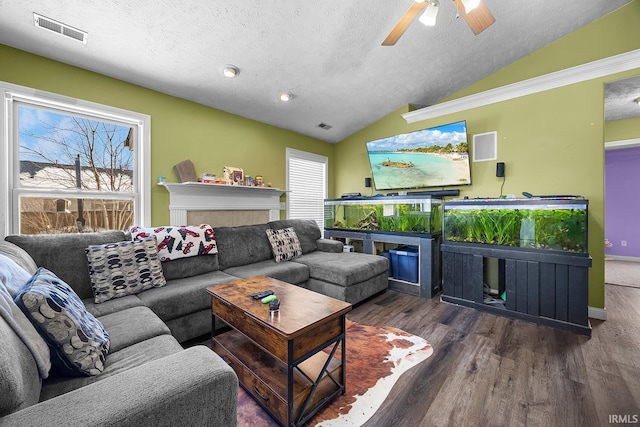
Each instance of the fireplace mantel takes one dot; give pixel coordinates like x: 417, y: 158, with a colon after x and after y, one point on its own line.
x: 196, y: 196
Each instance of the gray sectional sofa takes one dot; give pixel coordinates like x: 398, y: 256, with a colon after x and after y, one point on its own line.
x: 149, y: 378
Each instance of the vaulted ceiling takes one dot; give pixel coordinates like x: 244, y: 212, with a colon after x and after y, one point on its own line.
x: 619, y: 96
x: 327, y: 53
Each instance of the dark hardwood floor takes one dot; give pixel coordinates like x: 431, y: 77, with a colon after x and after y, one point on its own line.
x: 490, y: 370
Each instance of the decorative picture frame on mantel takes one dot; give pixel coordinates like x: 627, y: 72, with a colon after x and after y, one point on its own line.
x: 233, y: 175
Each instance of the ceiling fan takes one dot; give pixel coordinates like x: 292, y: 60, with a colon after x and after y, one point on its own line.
x: 474, y: 12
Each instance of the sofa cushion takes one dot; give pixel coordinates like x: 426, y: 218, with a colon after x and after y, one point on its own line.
x: 24, y: 329
x: 183, y: 296
x: 352, y: 294
x: 64, y: 254
x: 175, y: 242
x: 289, y: 272
x: 188, y: 267
x: 19, y: 379
x: 307, y: 231
x: 118, y: 325
x: 77, y: 340
x: 328, y: 245
x: 121, y: 361
x: 19, y: 255
x: 111, y: 306
x: 284, y: 244
x: 242, y: 245
x: 344, y: 269
x: 192, y: 326
x: 124, y: 268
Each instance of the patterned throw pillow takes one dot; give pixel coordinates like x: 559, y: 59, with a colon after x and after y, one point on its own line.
x: 179, y: 242
x: 77, y: 341
x: 284, y: 244
x: 124, y: 268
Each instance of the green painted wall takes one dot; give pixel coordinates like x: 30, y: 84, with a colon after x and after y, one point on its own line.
x: 180, y: 129
x: 613, y: 34
x: 619, y: 130
x: 551, y: 142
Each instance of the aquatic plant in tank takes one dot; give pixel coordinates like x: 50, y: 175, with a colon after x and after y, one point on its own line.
x: 415, y: 216
x: 436, y: 217
x: 404, y: 220
x: 561, y: 227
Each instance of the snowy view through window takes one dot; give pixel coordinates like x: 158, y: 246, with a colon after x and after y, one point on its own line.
x: 60, y: 153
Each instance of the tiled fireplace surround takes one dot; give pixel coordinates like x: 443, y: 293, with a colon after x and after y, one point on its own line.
x: 222, y: 205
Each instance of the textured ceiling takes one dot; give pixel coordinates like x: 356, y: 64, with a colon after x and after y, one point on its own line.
x: 619, y: 96
x: 327, y: 53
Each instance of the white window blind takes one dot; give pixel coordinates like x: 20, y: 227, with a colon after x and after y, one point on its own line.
x: 306, y: 185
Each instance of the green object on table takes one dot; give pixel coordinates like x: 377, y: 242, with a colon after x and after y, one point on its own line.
x: 268, y: 299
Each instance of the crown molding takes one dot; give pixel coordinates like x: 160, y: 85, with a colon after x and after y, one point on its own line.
x: 591, y: 70
x: 623, y: 143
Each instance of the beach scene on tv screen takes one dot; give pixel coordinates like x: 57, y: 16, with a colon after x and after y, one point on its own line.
x: 433, y: 157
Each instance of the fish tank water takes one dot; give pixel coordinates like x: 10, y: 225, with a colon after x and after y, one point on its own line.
x: 539, y: 223
x: 392, y: 214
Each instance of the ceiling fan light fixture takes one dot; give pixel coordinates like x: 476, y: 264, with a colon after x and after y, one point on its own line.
x: 430, y: 14
x: 469, y: 5
x: 230, y: 71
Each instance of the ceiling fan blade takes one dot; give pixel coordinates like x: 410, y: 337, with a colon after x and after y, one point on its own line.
x: 479, y: 19
x: 404, y: 23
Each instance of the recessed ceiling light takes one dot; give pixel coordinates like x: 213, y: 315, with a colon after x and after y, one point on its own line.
x: 230, y: 71
x: 285, y: 96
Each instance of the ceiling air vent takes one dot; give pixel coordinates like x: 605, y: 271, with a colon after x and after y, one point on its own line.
x: 60, y: 28
x: 324, y: 126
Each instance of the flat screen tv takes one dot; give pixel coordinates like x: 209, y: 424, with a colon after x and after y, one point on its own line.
x: 433, y: 157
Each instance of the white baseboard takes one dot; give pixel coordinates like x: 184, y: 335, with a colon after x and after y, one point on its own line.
x: 597, y: 313
x: 622, y: 258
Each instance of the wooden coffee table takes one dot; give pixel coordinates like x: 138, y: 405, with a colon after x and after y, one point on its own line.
x: 286, y: 360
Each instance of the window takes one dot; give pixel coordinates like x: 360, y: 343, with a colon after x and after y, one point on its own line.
x: 71, y: 165
x: 306, y: 185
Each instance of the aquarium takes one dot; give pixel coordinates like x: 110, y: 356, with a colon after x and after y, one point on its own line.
x: 393, y: 214
x: 539, y: 223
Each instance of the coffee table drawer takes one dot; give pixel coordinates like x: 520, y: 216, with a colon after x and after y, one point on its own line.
x: 258, y: 332
x: 224, y: 311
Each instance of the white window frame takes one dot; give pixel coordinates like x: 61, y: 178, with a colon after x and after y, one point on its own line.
x: 293, y: 153
x: 10, y: 191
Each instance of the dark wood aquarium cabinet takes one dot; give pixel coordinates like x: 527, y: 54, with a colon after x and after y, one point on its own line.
x: 426, y: 282
x: 406, y: 229
x: 540, y: 246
